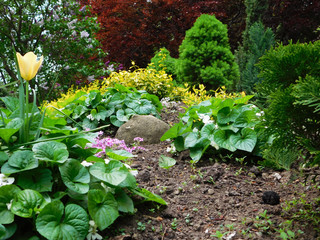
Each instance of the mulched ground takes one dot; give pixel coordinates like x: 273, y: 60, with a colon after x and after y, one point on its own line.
x: 212, y: 197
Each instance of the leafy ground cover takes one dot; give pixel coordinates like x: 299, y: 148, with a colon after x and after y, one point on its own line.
x: 218, y: 199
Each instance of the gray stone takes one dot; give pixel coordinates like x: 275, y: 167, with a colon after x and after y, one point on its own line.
x: 147, y: 127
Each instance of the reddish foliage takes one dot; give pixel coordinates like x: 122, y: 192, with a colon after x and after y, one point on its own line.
x: 298, y: 19
x: 134, y: 30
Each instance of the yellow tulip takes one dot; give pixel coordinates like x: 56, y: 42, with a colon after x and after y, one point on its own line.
x: 28, y: 65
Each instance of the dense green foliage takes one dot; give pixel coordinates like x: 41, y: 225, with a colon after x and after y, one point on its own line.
x: 258, y: 41
x: 230, y: 124
x: 205, y: 56
x: 291, y: 75
x: 93, y: 109
x: 58, y: 30
x: 162, y: 61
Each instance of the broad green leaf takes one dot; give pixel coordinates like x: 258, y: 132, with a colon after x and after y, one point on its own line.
x: 9, y: 229
x: 121, y: 116
x: 243, y: 100
x: 20, y: 161
x: 196, y: 154
x: 11, y: 128
x: 173, y: 132
x: 119, y: 154
x: 11, y: 103
x: 3, y: 157
x: 191, y: 139
x: 7, y: 194
x: 37, y: 179
x: 179, y: 143
x: 93, y: 98
x: 2, y: 231
x: 125, y: 203
x: 222, y: 138
x: 144, y: 107
x: 100, y: 114
x: 245, y: 141
x: 75, y: 176
x: 109, y: 110
x: 112, y: 173
x: 78, y: 111
x: 87, y: 123
x: 114, y: 120
x: 208, y: 131
x: 227, y: 115
x: 56, y: 222
x: 166, y: 162
x: 27, y: 203
x: 51, y: 151
x: 148, y: 196
x: 245, y: 119
x: 103, y: 208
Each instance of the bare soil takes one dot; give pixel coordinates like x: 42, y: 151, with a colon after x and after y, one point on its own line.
x: 218, y: 195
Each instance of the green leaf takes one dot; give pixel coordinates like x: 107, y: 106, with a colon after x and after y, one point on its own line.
x: 11, y: 103
x: 20, y: 161
x: 227, y: 115
x: 208, y: 131
x: 196, y: 154
x: 27, y: 203
x: 75, y: 176
x: 87, y: 123
x: 56, y: 222
x: 109, y: 110
x: 166, y: 162
x: 125, y: 203
x: 37, y: 179
x: 3, y: 157
x: 148, y: 196
x: 2, y: 231
x: 222, y: 138
x: 51, y: 151
x: 243, y: 100
x: 11, y: 128
x: 9, y: 231
x: 191, y: 139
x: 245, y: 119
x: 144, y: 107
x: 100, y: 114
x: 121, y: 116
x: 7, y: 194
x: 78, y: 111
x: 245, y: 141
x: 114, y: 120
x: 173, y: 132
x: 103, y: 208
x: 119, y: 154
x: 112, y: 173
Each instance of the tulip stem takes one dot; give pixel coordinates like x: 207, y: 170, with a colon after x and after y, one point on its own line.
x: 27, y: 113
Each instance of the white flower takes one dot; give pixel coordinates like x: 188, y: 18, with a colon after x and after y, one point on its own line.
x: 195, y: 130
x: 172, y: 149
x: 74, y: 33
x: 134, y: 172
x: 90, y: 78
x: 107, y: 161
x: 67, y: 67
x: 70, y: 24
x: 214, y: 144
x: 90, y: 117
x: 111, y: 67
x: 4, y: 180
x: 205, y: 118
x: 9, y: 205
x: 86, y: 164
x: 92, y: 233
x: 84, y: 34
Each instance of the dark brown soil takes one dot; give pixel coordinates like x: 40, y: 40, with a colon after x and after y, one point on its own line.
x: 213, y: 197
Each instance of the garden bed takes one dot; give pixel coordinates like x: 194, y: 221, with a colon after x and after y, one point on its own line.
x: 214, y: 198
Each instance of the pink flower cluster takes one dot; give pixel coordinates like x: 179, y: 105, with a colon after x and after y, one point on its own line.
x: 115, y: 144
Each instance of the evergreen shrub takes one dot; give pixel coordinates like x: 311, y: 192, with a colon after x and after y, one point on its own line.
x: 259, y: 41
x: 291, y: 75
x: 205, y: 56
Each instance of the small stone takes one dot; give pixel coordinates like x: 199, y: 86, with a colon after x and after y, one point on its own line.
x: 271, y: 198
x: 211, y: 191
x: 276, y: 176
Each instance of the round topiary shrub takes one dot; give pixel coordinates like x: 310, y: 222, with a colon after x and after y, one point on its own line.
x: 205, y: 56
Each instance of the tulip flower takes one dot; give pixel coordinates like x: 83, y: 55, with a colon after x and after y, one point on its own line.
x: 28, y: 65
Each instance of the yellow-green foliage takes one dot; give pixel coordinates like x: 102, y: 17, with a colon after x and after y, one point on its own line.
x: 72, y: 94
x: 154, y: 82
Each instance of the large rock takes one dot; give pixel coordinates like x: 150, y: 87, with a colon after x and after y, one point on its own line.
x: 147, y: 127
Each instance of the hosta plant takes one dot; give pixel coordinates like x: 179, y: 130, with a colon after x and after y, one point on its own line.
x: 230, y: 124
x: 115, y: 106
